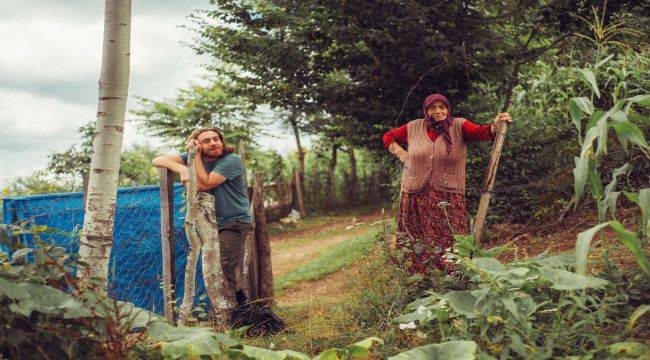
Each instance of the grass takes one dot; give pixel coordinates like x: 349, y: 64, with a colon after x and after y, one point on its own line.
x: 331, y: 260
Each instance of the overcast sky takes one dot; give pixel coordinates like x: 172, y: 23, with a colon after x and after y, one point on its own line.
x: 50, y: 60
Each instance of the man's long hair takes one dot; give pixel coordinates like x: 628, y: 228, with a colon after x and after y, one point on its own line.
x: 227, y: 149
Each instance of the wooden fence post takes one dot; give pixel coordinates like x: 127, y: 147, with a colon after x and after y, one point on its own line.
x: 247, y: 268
x: 262, y: 241
x: 84, y: 180
x: 167, y: 240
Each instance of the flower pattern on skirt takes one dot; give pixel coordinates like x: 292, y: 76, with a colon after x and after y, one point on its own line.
x: 425, y: 232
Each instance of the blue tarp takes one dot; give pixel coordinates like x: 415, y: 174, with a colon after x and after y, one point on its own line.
x: 135, y: 272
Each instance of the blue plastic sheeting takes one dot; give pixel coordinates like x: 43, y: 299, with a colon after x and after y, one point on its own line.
x: 135, y: 272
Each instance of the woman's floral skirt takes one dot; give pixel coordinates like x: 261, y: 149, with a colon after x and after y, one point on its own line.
x: 426, y: 224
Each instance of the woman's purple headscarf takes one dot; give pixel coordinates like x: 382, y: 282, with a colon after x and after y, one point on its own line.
x: 439, y: 126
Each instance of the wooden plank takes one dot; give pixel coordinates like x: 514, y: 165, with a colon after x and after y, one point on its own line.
x: 262, y: 241
x: 167, y: 240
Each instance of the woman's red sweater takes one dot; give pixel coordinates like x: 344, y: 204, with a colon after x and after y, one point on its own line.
x: 471, y: 132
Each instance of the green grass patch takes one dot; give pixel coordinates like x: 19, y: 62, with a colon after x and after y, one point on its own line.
x: 331, y: 259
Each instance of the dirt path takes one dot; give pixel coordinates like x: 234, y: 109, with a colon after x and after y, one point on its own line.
x: 292, y: 250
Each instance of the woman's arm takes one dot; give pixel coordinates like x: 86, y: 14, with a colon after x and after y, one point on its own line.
x: 473, y: 132
x: 392, y: 140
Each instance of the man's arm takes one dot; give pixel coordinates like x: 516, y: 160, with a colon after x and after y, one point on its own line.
x: 204, y: 180
x: 174, y: 163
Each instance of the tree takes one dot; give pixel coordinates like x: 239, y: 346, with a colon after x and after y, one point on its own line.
x: 96, y: 240
x: 216, y: 105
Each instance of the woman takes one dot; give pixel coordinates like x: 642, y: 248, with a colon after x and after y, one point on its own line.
x: 432, y: 205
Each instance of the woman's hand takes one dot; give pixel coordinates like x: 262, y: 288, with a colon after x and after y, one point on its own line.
x: 398, y: 151
x: 403, y: 155
x: 503, y: 117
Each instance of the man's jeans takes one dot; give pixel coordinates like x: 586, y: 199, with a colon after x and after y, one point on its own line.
x: 232, y: 237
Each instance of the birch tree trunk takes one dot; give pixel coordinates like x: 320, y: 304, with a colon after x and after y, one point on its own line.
x: 203, y: 236
x: 193, y: 239
x: 221, y: 295
x: 96, y: 240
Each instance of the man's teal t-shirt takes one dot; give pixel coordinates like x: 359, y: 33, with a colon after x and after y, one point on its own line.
x: 231, y: 202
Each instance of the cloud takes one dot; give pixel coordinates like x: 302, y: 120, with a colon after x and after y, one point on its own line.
x: 50, y: 66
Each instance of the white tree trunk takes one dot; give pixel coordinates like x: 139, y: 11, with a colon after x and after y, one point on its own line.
x: 203, y: 236
x: 96, y: 240
x: 193, y: 239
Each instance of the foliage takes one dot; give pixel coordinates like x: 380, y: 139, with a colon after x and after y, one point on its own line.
x: 44, y: 313
x: 353, y: 62
x: 627, y: 110
x: 211, y: 106
x: 532, y: 308
x: 184, y: 342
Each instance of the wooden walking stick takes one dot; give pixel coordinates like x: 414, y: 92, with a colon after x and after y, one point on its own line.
x: 486, y: 192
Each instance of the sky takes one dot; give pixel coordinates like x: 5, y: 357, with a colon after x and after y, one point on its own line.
x: 50, y: 62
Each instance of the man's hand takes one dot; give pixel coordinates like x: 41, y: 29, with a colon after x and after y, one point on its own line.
x: 194, y: 145
x: 185, y: 176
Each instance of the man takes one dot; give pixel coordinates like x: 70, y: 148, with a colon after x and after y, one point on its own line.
x: 219, y: 171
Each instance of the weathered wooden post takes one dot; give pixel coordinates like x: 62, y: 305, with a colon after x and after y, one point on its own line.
x: 167, y: 240
x: 484, y: 203
x: 262, y: 241
x: 247, y: 268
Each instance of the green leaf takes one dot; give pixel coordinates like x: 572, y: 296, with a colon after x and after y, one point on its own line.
x: 331, y: 354
x: 584, y: 104
x: 256, y: 353
x: 583, y: 245
x: 610, y: 195
x: 425, y: 301
x: 630, y: 132
x: 587, y: 142
x: 489, y: 265
x: 576, y: 117
x: 184, y: 342
x: 644, y: 204
x: 566, y: 280
x: 631, y: 241
x: 593, y: 119
x: 629, y: 349
x: 457, y: 350
x: 590, y: 79
x: 643, y: 100
x: 462, y: 302
x: 603, y: 128
x: 640, y: 311
x: 557, y: 261
x: 580, y: 172
x: 603, y: 61
x: 593, y: 177
x: 362, y: 348
x: 12, y: 290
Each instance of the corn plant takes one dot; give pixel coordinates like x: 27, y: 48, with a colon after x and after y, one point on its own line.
x: 621, y: 118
